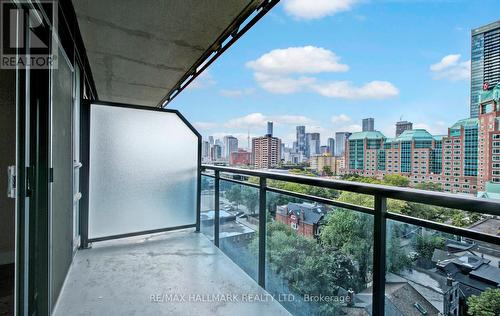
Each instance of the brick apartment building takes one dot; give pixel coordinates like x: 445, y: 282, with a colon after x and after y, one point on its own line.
x: 462, y: 161
x: 304, y: 218
x: 266, y: 152
x: 240, y: 158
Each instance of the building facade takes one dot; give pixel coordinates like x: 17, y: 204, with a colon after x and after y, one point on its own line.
x: 216, y: 152
x: 340, y: 141
x: 485, y: 62
x: 305, y: 218
x: 312, y: 144
x: 270, y: 128
x: 230, y: 146
x: 402, y: 126
x: 301, y: 140
x: 331, y: 146
x: 368, y: 124
x: 463, y: 161
x: 240, y: 158
x: 489, y: 138
x: 266, y: 152
x: 319, y: 162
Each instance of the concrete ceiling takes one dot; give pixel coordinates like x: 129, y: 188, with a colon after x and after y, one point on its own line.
x: 139, y: 50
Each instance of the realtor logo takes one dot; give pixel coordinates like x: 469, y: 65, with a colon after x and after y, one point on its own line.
x: 26, y: 34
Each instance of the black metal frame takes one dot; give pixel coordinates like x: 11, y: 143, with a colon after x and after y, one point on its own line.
x: 380, y: 213
x: 86, y: 106
x: 221, y: 44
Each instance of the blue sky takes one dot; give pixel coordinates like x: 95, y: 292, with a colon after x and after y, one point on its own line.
x: 331, y: 65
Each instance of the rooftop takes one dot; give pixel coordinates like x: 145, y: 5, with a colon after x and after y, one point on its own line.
x: 313, y: 213
x: 367, y: 135
x: 415, y: 134
x: 491, y: 94
x: 465, y: 123
x: 486, y: 28
x: 489, y: 225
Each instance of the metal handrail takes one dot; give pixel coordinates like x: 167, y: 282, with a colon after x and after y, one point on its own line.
x: 379, y: 211
x: 456, y: 201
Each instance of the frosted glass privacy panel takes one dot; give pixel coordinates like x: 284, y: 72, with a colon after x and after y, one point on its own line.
x: 143, y: 171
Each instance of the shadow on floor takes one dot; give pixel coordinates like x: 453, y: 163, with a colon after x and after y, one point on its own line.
x: 7, y: 289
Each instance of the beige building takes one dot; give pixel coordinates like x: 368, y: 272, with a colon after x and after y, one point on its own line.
x: 266, y: 152
x: 318, y: 163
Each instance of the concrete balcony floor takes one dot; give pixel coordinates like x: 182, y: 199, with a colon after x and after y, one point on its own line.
x: 174, y: 273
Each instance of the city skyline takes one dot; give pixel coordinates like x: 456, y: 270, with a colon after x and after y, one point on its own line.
x: 243, y: 80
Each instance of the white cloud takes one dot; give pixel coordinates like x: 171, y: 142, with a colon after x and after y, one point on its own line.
x: 282, y: 85
x: 252, y: 120
x: 345, y: 90
x: 236, y: 93
x: 304, y: 60
x: 259, y: 120
x: 344, y: 123
x: 283, y: 71
x: 307, y: 9
x: 204, y: 80
x: 446, y: 61
x: 436, y: 128
x: 450, y: 67
x: 291, y: 119
x: 204, y: 125
x: 340, y: 118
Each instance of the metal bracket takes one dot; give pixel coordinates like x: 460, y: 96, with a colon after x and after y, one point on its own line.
x: 11, y: 182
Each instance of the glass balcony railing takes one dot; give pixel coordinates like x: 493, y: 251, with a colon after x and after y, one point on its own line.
x: 316, y: 254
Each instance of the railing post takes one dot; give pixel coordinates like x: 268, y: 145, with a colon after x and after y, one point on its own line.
x: 198, y: 200
x: 379, y: 254
x: 262, y: 232
x: 217, y: 208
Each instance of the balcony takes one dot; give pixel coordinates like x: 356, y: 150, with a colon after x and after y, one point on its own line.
x: 244, y: 250
x: 116, y: 214
x: 173, y: 273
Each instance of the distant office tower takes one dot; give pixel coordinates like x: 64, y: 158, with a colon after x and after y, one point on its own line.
x: 211, y: 140
x: 312, y: 144
x: 324, y: 150
x: 402, y: 126
x: 368, y: 124
x: 205, y: 149
x: 282, y: 151
x: 269, y: 128
x: 230, y: 146
x: 340, y: 139
x: 301, y: 139
x: 331, y: 146
x: 485, y: 62
x: 216, y: 152
x: 266, y: 152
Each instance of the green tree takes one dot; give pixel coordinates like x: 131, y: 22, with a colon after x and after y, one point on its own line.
x: 429, y: 186
x: 351, y: 233
x: 486, y: 304
x: 397, y: 259
x: 368, y: 201
x: 396, y: 180
x: 307, y: 266
x: 427, y: 244
x: 234, y: 194
x: 327, y: 171
x: 250, y: 196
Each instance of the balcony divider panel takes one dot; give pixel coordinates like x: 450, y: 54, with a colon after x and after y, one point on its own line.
x: 143, y: 171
